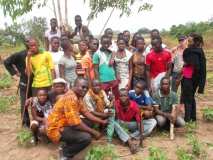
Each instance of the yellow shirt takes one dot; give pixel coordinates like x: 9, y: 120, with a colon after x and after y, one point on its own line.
x: 41, y: 65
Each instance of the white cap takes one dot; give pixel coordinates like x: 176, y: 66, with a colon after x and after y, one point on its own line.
x: 59, y: 80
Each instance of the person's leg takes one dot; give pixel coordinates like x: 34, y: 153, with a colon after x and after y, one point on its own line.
x: 74, y: 140
x: 122, y: 134
x: 161, y: 121
x: 149, y: 125
x: 34, y: 126
x: 180, y: 122
x: 26, y: 117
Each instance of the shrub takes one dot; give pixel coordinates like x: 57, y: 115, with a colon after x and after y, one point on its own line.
x: 5, y: 81
x: 183, y: 154
x: 24, y: 137
x: 208, y: 114
x: 156, y: 153
x: 4, y: 103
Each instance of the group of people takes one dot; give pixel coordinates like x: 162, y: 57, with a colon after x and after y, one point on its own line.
x: 77, y: 88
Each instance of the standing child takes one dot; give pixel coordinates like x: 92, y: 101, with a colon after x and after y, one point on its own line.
x: 41, y: 107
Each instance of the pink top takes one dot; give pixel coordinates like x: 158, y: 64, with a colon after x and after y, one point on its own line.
x: 188, y: 71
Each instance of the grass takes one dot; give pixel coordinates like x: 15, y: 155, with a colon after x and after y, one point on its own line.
x: 24, y: 137
x: 208, y: 114
x: 102, y: 153
x: 5, y: 81
x: 156, y: 153
x: 191, y: 127
x: 182, y: 154
x: 5, y: 103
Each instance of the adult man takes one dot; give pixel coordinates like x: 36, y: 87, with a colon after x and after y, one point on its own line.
x: 81, y: 31
x: 40, y: 64
x: 109, y: 33
x: 53, y: 32
x: 103, y: 70
x: 144, y: 101
x: 165, y: 100
x: 127, y: 36
x: 16, y: 65
x: 64, y: 123
x: 158, y: 64
x: 96, y: 100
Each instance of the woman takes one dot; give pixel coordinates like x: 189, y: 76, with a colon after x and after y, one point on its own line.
x: 121, y: 59
x: 193, y: 74
x: 137, y: 64
x: 67, y: 64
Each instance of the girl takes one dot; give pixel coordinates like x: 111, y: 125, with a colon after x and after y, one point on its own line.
x: 193, y: 74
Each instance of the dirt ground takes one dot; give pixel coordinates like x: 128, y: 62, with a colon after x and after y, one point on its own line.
x: 10, y: 125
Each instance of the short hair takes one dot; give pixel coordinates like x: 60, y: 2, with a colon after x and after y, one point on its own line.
x: 83, y: 41
x: 43, y: 90
x: 155, y: 30
x: 54, y: 37
x: 122, y: 90
x: 104, y: 36
x: 105, y: 31
x: 77, y: 16
x: 139, y: 38
x: 125, y: 31
x: 161, y: 81
x: 121, y: 39
x: 197, y: 39
x: 141, y: 82
x: 157, y: 38
x: 53, y: 19
x: 64, y: 41
x: 78, y: 79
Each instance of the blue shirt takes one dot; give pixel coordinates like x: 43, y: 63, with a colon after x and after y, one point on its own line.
x: 141, y: 99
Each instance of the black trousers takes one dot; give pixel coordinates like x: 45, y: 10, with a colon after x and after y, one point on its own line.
x: 26, y: 118
x: 74, y: 141
x: 188, y: 89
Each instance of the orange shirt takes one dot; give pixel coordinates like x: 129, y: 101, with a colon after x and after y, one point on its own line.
x: 66, y: 112
x: 86, y: 62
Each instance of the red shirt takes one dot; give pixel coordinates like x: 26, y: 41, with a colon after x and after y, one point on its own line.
x: 132, y: 113
x: 158, y: 62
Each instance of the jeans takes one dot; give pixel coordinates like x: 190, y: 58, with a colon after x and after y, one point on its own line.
x: 149, y: 125
x: 74, y: 141
x: 163, y: 121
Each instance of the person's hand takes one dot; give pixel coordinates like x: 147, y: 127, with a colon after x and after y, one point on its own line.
x: 96, y: 134
x: 29, y: 53
x: 104, y: 122
x: 44, y: 121
x: 16, y: 77
x: 170, y: 117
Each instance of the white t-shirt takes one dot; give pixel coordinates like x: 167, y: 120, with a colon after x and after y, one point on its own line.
x: 49, y: 35
x: 56, y: 56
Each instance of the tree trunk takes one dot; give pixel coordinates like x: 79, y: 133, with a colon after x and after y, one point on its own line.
x: 59, y: 12
x: 54, y: 9
x: 66, y: 13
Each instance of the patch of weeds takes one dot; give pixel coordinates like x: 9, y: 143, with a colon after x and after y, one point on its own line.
x: 102, y: 153
x: 191, y: 127
x: 24, y: 137
x: 182, y: 154
x: 5, y: 81
x: 156, y: 153
x: 208, y: 114
x: 5, y: 102
x: 197, y: 147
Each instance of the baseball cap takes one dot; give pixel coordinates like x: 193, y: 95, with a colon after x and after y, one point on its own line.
x: 181, y: 37
x: 59, y: 80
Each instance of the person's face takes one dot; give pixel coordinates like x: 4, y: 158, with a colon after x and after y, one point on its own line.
x: 121, y: 45
x: 126, y: 36
x: 105, y: 43
x: 78, y: 21
x: 59, y: 88
x: 183, y: 43
x: 42, y: 96
x: 96, y: 87
x: 93, y: 45
x: 140, y: 44
x: 55, y: 44
x: 157, y: 45
x: 190, y: 41
x: 124, y: 98
x: 33, y: 46
x: 83, y: 47
x: 154, y: 34
x: 165, y: 85
x: 138, y: 89
x: 82, y: 88
x: 53, y: 24
x: 109, y: 34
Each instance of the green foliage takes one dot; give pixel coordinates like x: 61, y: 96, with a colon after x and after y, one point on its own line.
x: 191, y: 127
x: 24, y: 137
x: 5, y: 81
x: 5, y: 102
x: 196, y: 145
x: 16, y: 8
x: 124, y: 6
x: 208, y: 114
x: 102, y: 153
x: 156, y: 153
x: 144, y: 30
x: 182, y: 154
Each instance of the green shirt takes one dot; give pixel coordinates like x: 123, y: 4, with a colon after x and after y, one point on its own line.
x: 165, y: 101
x: 106, y: 71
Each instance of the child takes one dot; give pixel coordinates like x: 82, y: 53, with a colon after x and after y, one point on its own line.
x: 41, y: 107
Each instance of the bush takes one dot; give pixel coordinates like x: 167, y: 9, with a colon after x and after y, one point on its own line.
x: 183, y: 154
x: 5, y: 81
x: 156, y: 153
x: 24, y: 137
x: 4, y: 104
x: 102, y: 153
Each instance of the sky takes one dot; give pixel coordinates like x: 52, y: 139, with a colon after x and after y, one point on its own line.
x: 163, y: 15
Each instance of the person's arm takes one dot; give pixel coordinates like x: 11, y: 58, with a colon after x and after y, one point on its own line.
x: 46, y: 41
x: 9, y: 62
x: 130, y: 72
x: 96, y: 66
x: 53, y: 74
x: 99, y: 114
x: 169, y: 69
x: 34, y: 115
x: 61, y: 71
x: 148, y: 77
x: 93, y: 118
x: 51, y: 65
